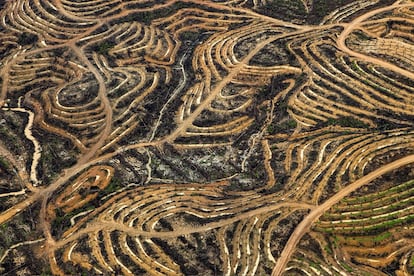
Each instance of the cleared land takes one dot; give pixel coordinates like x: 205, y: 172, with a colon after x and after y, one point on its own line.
x: 194, y: 137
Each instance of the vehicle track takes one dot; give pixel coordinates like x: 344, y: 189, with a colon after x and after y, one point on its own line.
x: 305, y: 225
x: 220, y: 69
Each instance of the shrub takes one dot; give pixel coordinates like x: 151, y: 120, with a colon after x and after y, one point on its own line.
x: 27, y: 39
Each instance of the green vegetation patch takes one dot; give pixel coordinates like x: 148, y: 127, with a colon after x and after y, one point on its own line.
x: 114, y: 185
x: 282, y: 127
x: 347, y: 121
x: 104, y: 47
x: 62, y: 220
x: 347, y: 267
x: 382, y: 237
x: 402, y: 188
x: 149, y: 16
x: 4, y: 164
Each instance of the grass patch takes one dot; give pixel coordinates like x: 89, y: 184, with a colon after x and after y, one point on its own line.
x: 114, y: 185
x: 104, y: 47
x: 4, y: 164
x: 382, y: 237
x: 347, y: 121
x: 347, y: 267
x: 328, y: 249
x: 282, y: 127
x: 148, y: 16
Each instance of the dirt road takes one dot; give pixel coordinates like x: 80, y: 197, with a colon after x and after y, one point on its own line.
x: 341, y: 42
x: 314, y: 215
x: 91, y: 157
x: 133, y: 231
x: 305, y: 225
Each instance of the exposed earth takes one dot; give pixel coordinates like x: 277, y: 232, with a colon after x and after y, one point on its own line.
x: 207, y: 137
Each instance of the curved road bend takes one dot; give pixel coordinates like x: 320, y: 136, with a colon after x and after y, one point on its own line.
x: 341, y: 42
x: 314, y: 215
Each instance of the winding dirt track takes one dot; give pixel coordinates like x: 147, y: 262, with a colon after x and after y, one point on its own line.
x: 90, y: 157
x: 218, y: 88
x: 107, y: 106
x: 111, y: 225
x: 314, y: 215
x: 357, y: 23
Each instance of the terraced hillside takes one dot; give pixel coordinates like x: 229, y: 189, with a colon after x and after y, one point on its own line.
x: 198, y: 137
